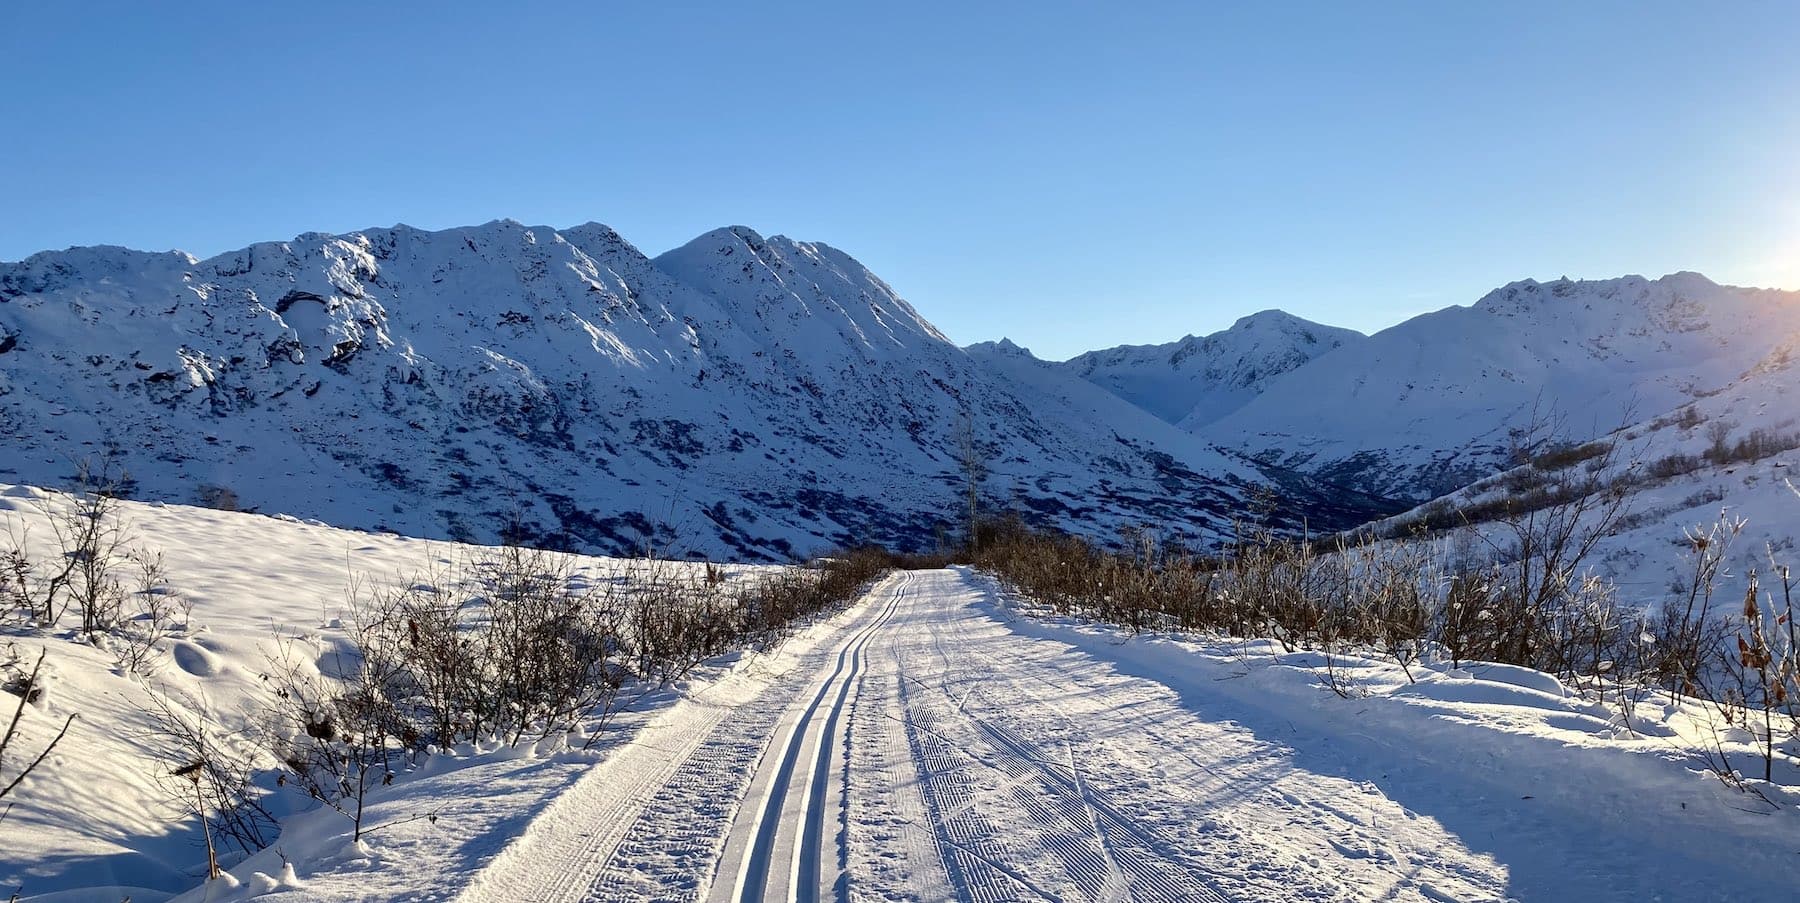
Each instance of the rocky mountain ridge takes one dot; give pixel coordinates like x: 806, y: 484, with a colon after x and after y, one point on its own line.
x: 740, y: 396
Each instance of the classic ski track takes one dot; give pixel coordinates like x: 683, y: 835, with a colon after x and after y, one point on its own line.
x: 679, y: 832
x: 688, y: 793
x: 517, y: 873
x: 796, y: 772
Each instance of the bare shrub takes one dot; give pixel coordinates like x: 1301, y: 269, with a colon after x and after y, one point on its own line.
x: 337, y: 737
x: 516, y: 645
x: 1564, y: 455
x: 92, y: 549
x: 24, y: 685
x: 1754, y: 684
x: 208, y: 774
x: 508, y: 644
x: 1673, y: 465
x: 1718, y: 434
x: 220, y: 498
x: 677, y: 623
x: 1685, y: 631
x: 153, y: 611
x: 1761, y: 443
x: 1513, y: 588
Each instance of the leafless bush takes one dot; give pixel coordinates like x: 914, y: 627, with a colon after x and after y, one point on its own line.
x: 772, y: 606
x: 93, y: 551
x: 221, y: 498
x: 208, y: 774
x: 1564, y: 455
x: 154, y: 611
x: 516, y: 645
x: 1526, y: 599
x: 18, y: 605
x: 677, y: 623
x: 1686, y: 418
x: 1718, y: 434
x: 337, y: 737
x: 1753, y: 684
x: 1673, y: 465
x: 1761, y: 443
x: 509, y: 644
x: 1685, y: 632
x: 25, y: 686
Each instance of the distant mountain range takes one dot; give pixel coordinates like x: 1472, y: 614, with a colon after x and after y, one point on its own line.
x: 1434, y: 403
x: 741, y: 396
x: 765, y: 398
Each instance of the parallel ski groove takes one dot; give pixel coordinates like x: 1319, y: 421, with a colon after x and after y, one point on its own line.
x: 804, y: 868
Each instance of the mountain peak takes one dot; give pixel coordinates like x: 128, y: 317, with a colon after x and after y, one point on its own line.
x: 1510, y: 296
x: 1273, y: 318
x: 1196, y: 380
x: 1004, y: 346
x: 759, y: 398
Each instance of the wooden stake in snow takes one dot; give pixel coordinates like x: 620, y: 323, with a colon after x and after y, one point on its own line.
x: 191, y: 771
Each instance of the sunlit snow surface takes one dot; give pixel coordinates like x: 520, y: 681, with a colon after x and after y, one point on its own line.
x: 946, y: 741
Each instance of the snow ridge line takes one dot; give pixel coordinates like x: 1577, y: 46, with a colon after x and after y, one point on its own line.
x: 780, y: 807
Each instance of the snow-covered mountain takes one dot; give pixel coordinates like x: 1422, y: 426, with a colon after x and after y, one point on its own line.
x: 1197, y: 380
x: 1732, y: 453
x: 739, y: 396
x: 1430, y: 405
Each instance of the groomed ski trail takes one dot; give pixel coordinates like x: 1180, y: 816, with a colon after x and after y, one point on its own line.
x: 723, y: 797
x: 926, y: 746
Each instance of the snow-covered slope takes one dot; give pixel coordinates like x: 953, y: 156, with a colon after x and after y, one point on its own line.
x: 739, y: 396
x: 1079, y: 401
x: 1211, y: 768
x: 1730, y: 454
x: 1197, y: 380
x: 101, y: 821
x: 1434, y: 403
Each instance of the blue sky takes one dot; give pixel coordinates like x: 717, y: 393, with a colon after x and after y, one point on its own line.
x: 1071, y: 175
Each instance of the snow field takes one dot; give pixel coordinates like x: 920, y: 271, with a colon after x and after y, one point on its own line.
x: 99, y: 812
x: 938, y: 740
x: 1548, y: 795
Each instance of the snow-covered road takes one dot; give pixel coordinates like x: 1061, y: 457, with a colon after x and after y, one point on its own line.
x: 932, y: 748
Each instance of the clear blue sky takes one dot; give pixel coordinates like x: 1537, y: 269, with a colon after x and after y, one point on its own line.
x: 1071, y: 175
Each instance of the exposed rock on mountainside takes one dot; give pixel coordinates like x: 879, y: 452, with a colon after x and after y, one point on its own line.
x: 739, y: 396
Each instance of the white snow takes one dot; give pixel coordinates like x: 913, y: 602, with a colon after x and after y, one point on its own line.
x: 1197, y: 380
x: 1427, y: 406
x: 740, y: 396
x: 937, y: 740
x: 98, y: 813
